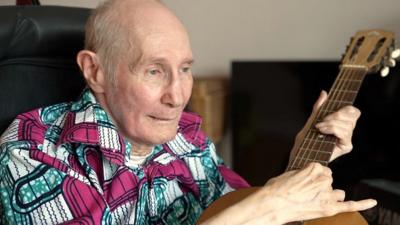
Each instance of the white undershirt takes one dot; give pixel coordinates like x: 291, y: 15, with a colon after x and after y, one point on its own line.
x: 137, y: 160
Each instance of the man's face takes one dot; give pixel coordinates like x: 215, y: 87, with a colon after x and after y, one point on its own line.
x: 152, y: 87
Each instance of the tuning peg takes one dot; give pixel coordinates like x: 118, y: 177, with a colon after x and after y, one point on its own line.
x: 385, y: 71
x: 391, y: 62
x: 395, y: 53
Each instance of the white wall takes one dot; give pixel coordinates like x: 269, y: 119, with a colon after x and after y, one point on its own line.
x: 223, y: 30
x: 278, y: 29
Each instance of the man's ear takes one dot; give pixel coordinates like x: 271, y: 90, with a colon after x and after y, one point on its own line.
x: 91, y: 70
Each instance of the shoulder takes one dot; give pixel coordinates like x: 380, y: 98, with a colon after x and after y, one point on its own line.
x: 32, y: 125
x: 28, y: 130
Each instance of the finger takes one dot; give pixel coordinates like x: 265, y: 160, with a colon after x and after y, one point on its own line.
x: 314, y: 169
x: 339, y: 195
x: 321, y: 99
x: 348, y: 113
x: 335, y: 124
x: 351, y: 206
x: 315, y: 176
x: 341, y: 132
x: 353, y: 111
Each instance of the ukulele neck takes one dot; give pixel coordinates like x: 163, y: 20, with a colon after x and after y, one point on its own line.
x: 317, y: 147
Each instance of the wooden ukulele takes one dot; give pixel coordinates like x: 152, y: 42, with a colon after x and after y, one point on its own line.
x: 369, y: 51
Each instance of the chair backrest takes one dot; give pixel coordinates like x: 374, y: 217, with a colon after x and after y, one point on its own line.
x: 38, y: 46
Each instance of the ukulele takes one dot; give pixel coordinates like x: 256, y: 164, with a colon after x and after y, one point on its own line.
x: 368, y: 52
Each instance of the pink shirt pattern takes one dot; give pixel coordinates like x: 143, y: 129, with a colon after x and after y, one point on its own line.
x: 67, y: 164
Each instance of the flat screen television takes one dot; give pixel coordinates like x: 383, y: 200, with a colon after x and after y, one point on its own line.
x: 271, y: 100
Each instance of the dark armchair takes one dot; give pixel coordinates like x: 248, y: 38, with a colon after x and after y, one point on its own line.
x: 38, y: 45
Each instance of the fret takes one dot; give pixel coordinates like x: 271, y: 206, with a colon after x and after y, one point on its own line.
x: 358, y: 81
x: 320, y: 141
x: 313, y: 133
x: 310, y: 159
x: 326, y: 112
x: 344, y: 91
x: 317, y: 151
x: 348, y: 84
x: 336, y: 93
x: 302, y: 164
x: 339, y: 102
x: 354, y: 87
x: 354, y: 67
x: 314, y: 155
x: 314, y: 130
x: 335, y: 99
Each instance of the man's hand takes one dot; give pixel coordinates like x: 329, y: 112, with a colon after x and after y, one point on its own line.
x: 340, y: 124
x: 293, y: 196
x: 307, y: 194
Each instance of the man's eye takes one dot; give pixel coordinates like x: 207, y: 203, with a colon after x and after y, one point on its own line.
x: 186, y: 69
x: 154, y: 72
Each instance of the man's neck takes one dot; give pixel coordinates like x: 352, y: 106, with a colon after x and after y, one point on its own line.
x: 140, y: 150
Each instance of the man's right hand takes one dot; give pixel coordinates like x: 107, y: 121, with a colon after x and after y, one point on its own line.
x: 294, y: 196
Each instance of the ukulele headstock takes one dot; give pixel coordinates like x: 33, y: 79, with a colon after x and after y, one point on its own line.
x: 372, y: 50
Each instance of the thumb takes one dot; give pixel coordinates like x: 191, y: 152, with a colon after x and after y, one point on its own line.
x: 323, y: 96
x: 321, y: 99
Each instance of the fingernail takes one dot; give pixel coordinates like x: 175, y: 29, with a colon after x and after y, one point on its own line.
x: 322, y: 128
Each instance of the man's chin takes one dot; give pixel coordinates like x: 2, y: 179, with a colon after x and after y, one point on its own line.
x: 161, y: 137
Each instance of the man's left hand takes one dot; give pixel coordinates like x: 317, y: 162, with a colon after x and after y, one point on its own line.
x: 340, y: 124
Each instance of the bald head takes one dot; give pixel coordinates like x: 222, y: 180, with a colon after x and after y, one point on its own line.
x: 119, y: 27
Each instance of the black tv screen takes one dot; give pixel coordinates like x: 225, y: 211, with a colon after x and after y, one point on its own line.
x: 271, y: 100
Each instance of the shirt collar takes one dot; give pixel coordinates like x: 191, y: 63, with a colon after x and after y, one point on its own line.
x: 88, y: 123
x: 189, y: 126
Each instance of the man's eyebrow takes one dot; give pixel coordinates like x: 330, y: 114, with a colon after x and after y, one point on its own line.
x: 160, y: 60
x: 156, y: 60
x: 189, y: 61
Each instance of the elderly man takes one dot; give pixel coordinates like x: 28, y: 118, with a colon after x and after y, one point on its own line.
x: 126, y: 153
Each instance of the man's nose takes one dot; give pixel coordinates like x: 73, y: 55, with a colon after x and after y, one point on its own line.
x: 173, y: 95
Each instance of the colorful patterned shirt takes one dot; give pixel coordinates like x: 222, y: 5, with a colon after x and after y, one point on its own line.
x: 67, y: 164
